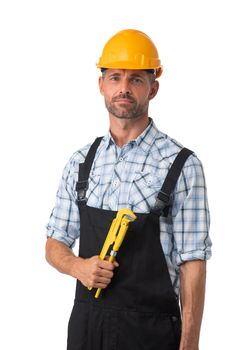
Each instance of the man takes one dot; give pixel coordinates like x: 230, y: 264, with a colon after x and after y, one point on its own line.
x: 163, y: 257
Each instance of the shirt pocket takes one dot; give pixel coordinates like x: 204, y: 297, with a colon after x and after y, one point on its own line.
x: 143, y: 191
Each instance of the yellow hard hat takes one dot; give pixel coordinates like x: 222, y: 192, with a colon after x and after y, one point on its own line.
x: 130, y: 49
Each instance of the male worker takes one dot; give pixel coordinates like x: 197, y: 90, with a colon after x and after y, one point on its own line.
x: 163, y: 257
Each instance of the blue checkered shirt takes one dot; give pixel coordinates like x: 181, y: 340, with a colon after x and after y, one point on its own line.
x: 131, y: 177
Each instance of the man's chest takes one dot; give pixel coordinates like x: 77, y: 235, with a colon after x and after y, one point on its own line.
x: 131, y: 179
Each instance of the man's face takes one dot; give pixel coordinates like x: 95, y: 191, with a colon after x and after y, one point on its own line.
x: 127, y: 92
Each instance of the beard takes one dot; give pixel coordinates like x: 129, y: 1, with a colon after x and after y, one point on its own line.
x: 129, y: 109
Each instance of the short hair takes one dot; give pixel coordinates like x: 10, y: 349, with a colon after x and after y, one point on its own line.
x: 152, y: 72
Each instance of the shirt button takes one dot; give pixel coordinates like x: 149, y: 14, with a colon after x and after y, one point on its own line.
x: 120, y: 159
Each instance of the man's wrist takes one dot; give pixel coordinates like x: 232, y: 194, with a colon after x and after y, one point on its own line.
x: 189, y: 334
x: 74, y: 263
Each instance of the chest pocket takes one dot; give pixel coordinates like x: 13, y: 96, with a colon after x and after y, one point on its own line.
x: 143, y: 191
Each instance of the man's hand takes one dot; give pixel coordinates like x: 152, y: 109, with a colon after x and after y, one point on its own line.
x: 94, y: 272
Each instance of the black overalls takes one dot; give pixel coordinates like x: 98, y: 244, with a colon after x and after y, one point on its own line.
x: 139, y: 309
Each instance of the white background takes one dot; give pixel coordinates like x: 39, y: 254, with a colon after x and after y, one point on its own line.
x: 50, y: 106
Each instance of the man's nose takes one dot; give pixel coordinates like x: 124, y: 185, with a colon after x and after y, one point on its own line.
x: 125, y: 87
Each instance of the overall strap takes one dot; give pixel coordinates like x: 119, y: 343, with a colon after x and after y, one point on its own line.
x: 164, y: 195
x: 84, y: 171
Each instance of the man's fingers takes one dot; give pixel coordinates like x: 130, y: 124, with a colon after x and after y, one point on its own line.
x: 98, y: 273
x: 104, y: 273
x: 99, y: 282
x: 100, y: 285
x: 104, y: 281
x: 105, y: 264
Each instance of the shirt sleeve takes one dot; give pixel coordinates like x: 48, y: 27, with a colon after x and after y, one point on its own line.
x: 64, y: 222
x: 190, y: 214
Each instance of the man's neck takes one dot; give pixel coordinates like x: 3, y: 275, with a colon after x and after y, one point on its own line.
x: 125, y: 130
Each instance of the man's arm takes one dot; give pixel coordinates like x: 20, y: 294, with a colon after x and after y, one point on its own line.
x: 192, y: 292
x: 92, y: 272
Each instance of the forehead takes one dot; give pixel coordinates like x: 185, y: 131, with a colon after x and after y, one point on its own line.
x: 126, y: 72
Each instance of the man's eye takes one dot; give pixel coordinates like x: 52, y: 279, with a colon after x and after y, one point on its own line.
x: 114, y: 78
x: 137, y: 80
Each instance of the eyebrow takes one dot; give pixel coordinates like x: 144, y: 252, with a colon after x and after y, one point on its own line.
x: 136, y: 75
x: 111, y: 74
x: 133, y: 75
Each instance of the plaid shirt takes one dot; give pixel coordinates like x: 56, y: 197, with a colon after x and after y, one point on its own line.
x: 131, y: 177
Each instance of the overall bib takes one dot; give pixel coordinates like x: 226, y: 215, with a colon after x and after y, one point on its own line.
x: 139, y: 309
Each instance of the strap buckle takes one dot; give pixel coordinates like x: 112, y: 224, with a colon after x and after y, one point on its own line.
x: 81, y: 189
x: 164, y: 197
x: 162, y: 201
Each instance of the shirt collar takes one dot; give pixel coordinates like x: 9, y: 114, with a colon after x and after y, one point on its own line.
x: 144, y: 140
x: 108, y: 140
x: 147, y: 137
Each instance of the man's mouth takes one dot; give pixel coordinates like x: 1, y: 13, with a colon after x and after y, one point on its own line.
x: 123, y: 100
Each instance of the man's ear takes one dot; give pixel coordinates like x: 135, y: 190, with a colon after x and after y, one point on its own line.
x: 154, y: 89
x: 101, y: 80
